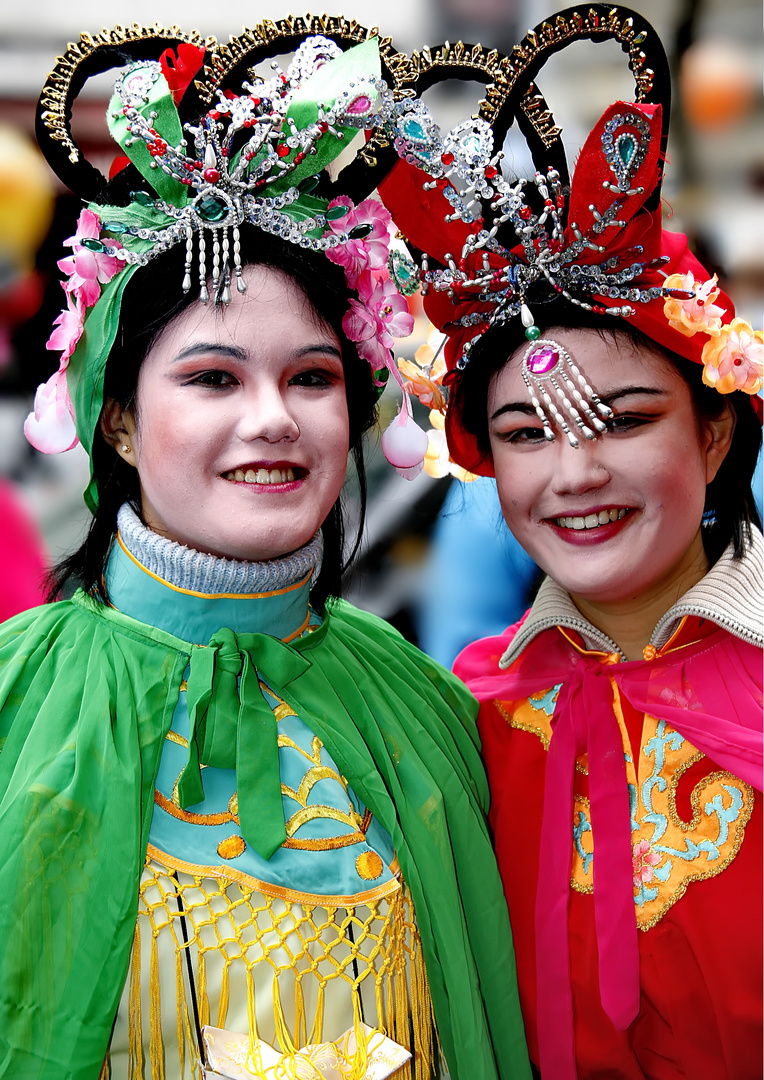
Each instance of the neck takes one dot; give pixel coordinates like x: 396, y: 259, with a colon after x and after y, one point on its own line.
x: 192, y: 594
x: 630, y: 621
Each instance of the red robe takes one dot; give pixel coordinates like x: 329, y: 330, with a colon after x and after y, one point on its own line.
x: 696, y: 846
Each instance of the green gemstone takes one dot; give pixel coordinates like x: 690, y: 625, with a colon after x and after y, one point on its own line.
x: 640, y: 37
x: 211, y: 208
x: 334, y: 213
x: 142, y: 198
x: 310, y: 183
x: 627, y: 146
x: 115, y: 227
x: 413, y: 129
x: 360, y: 232
x: 532, y: 333
x: 92, y: 245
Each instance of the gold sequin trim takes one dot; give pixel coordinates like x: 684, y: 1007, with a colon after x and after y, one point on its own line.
x: 230, y: 874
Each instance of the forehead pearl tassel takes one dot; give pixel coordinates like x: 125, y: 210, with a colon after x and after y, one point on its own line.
x: 548, y: 365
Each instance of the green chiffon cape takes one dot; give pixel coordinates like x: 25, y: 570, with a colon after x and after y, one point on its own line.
x: 86, y: 698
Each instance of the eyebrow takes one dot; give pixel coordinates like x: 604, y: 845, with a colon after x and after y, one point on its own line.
x: 233, y: 352
x: 527, y: 409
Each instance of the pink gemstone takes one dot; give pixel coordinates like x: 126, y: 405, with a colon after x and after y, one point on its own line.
x: 542, y: 360
x: 359, y: 105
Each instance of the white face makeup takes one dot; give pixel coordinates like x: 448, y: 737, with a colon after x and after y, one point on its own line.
x: 242, y: 436
x: 619, y: 516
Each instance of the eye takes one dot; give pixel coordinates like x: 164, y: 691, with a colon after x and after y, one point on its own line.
x: 522, y: 436
x: 628, y: 421
x: 213, y: 378
x: 318, y: 378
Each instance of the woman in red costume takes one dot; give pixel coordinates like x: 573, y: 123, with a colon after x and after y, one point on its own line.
x: 599, y: 373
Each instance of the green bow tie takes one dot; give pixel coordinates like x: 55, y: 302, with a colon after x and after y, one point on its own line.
x: 232, y: 726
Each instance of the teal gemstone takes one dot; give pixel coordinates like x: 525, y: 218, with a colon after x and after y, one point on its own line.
x: 142, y: 198
x: 115, y: 227
x: 310, y: 183
x: 92, y: 245
x: 627, y: 148
x: 334, y: 213
x: 211, y: 208
x: 361, y: 231
x: 413, y: 129
x: 471, y: 144
x: 532, y: 333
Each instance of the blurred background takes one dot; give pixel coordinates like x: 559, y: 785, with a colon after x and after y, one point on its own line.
x: 434, y: 559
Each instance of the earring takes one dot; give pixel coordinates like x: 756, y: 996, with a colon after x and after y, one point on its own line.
x: 125, y: 448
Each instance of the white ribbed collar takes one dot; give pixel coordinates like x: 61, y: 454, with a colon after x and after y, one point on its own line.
x: 730, y: 595
x: 195, y: 571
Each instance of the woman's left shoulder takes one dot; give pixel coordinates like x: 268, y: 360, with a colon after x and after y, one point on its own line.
x: 357, y: 629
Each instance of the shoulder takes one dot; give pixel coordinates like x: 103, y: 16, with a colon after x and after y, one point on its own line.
x: 481, y: 658
x: 383, y: 645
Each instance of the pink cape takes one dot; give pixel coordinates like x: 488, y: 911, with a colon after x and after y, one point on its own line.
x: 709, y: 691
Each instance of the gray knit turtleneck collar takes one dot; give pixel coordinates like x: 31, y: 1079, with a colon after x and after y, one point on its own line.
x: 198, y: 572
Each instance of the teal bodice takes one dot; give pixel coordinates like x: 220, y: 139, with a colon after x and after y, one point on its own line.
x: 334, y: 850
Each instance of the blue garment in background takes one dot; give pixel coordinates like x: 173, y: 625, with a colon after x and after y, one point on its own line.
x: 477, y: 580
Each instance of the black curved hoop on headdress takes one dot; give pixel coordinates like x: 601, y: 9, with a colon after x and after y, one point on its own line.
x: 521, y: 99
x: 88, y: 57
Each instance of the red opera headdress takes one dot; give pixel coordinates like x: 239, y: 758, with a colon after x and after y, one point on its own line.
x: 491, y: 248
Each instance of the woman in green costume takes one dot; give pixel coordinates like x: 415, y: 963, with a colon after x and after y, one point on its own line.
x: 242, y: 824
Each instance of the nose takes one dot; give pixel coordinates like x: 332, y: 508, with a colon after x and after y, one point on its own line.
x: 266, y: 415
x: 579, y: 469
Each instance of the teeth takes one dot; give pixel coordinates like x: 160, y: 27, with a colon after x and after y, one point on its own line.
x: 261, y: 476
x: 592, y: 521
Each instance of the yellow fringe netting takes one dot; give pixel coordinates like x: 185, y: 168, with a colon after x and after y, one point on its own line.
x: 369, y: 956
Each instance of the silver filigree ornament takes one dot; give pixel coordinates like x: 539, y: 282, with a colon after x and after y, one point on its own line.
x: 230, y: 187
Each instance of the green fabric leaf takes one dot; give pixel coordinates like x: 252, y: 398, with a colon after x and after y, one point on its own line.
x: 166, y: 124
x: 362, y: 61
x: 85, y: 373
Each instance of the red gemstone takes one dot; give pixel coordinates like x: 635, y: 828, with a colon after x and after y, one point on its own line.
x: 560, y: 202
x: 490, y: 172
x: 524, y: 212
x: 214, y: 114
x: 323, y: 126
x: 447, y: 159
x: 282, y: 150
x: 211, y: 176
x: 299, y: 157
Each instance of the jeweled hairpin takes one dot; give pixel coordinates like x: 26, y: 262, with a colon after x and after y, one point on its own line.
x: 547, y: 362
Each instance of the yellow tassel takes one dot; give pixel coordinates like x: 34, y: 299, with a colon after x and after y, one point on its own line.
x: 317, y: 1032
x: 300, y: 1022
x: 180, y: 999
x: 135, y: 1035
x: 204, y: 1001
x: 224, y: 992
x: 156, y: 1049
x: 421, y: 1012
x: 283, y: 1037
x: 254, y: 1049
x: 104, y: 1073
x: 360, y: 1060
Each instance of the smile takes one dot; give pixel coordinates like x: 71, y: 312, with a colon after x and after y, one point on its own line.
x: 592, y: 521
x: 261, y: 476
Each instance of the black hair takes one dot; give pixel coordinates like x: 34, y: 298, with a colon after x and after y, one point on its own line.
x: 730, y: 510
x: 152, y: 298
